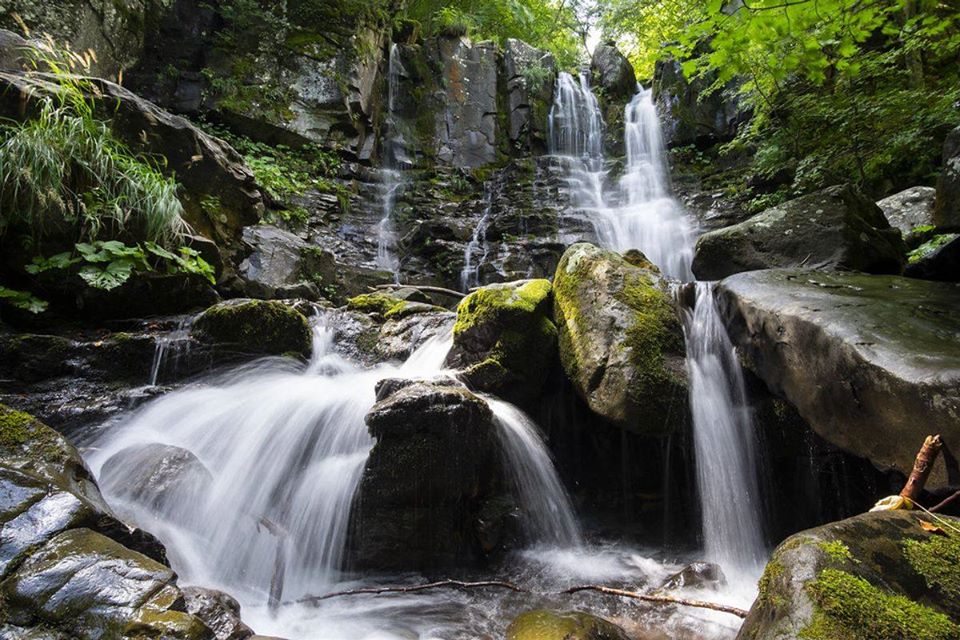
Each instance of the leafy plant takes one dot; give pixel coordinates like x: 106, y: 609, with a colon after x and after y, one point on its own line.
x: 22, y: 300
x: 536, y: 77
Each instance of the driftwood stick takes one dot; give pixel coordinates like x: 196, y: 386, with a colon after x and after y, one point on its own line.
x: 659, y: 599
x: 455, y: 584
x: 921, y: 468
x: 945, y: 502
x: 423, y: 287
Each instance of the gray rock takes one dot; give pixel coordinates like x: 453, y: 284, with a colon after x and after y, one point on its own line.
x: 696, y: 575
x: 946, y: 215
x: 254, y: 327
x: 909, y: 209
x: 219, y: 611
x: 612, y: 72
x: 530, y: 77
x: 837, y: 227
x: 889, y: 347
x: 621, y: 344
x: 876, y: 575
x: 277, y: 265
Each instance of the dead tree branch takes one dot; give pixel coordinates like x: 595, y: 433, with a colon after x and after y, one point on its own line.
x: 647, y: 597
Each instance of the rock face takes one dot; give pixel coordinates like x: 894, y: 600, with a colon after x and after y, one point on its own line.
x: 505, y: 340
x: 429, y: 481
x: 621, y: 343
x: 690, y: 116
x: 909, y: 209
x: 947, y: 212
x: 936, y: 259
x: 612, y: 72
x: 254, y: 327
x: 877, y: 575
x: 872, y: 363
x: 837, y: 227
x: 65, y: 562
x: 542, y: 624
x: 529, y: 74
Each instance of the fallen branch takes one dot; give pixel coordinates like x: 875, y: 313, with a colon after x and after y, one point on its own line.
x: 646, y: 597
x: 423, y: 287
x: 945, y: 502
x: 455, y: 584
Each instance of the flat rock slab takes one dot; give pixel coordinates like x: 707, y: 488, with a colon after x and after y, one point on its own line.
x: 872, y: 363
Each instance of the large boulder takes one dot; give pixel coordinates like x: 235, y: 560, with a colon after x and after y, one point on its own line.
x: 947, y: 212
x: 936, y: 259
x: 874, y: 576
x: 530, y: 75
x: 612, y: 72
x: 255, y: 327
x: 429, y: 480
x: 621, y: 343
x: 872, y: 363
x: 505, y: 340
x: 837, y: 227
x: 280, y: 264
x: 219, y: 611
x: 542, y: 624
x: 909, y: 209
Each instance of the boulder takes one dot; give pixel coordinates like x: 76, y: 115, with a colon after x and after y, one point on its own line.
x: 877, y: 575
x: 613, y: 73
x: 219, y: 611
x: 530, y: 75
x: 837, y: 227
x: 862, y: 358
x: 936, y: 259
x: 946, y: 214
x: 621, y: 343
x: 909, y: 209
x: 696, y: 575
x: 256, y: 327
x: 427, y: 480
x: 542, y: 624
x: 278, y: 265
x: 505, y: 340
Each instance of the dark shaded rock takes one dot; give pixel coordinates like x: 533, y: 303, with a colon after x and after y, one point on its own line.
x: 889, y: 345
x: 877, y: 575
x: 278, y: 264
x: 621, y: 343
x: 427, y: 479
x: 542, y: 624
x: 145, y: 295
x: 698, y: 574
x: 909, y: 209
x: 946, y: 214
x: 504, y: 340
x: 937, y: 259
x: 837, y: 227
x: 254, y: 327
x: 612, y: 72
x: 530, y: 77
x: 219, y: 611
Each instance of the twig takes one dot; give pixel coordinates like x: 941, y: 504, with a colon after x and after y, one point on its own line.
x: 422, y: 287
x: 944, y: 503
x: 456, y: 584
x: 661, y: 599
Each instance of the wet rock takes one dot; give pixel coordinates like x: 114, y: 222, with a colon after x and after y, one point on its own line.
x: 426, y: 480
x: 399, y: 337
x: 219, y: 611
x: 612, y: 72
x: 837, y: 227
x: 90, y: 586
x: 530, y: 76
x: 946, y: 214
x: 909, y: 209
x: 504, y: 340
x: 160, y: 476
x: 936, y: 259
x: 889, y: 345
x: 877, y: 575
x: 696, y: 575
x: 254, y: 327
x: 621, y: 343
x: 542, y: 624
x: 278, y: 264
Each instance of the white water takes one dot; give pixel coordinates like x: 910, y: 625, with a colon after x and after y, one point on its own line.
x: 470, y: 274
x: 641, y: 213
x: 391, y: 179
x: 176, y: 341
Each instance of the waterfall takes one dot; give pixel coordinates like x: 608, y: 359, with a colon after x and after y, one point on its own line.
x: 470, y: 274
x: 394, y: 156
x: 177, y: 341
x: 641, y: 213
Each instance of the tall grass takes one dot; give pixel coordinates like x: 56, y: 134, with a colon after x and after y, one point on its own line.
x: 64, y: 169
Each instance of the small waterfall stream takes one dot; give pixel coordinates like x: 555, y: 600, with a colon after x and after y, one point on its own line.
x: 641, y: 213
x: 392, y: 180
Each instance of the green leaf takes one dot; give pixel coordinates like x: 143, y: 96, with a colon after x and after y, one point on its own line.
x: 22, y: 300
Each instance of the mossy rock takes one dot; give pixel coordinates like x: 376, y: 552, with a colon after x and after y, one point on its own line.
x: 552, y: 625
x: 387, y: 307
x: 504, y: 339
x: 621, y: 343
x: 260, y: 327
x: 875, y: 576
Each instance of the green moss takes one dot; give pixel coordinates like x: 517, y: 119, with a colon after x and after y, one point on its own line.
x: 484, y: 304
x: 767, y: 588
x: 849, y: 607
x: 255, y: 326
x: 374, y: 303
x: 550, y: 625
x: 15, y: 427
x: 938, y: 561
x: 838, y: 551
x: 930, y: 246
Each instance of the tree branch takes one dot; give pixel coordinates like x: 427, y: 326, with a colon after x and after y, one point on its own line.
x: 740, y: 613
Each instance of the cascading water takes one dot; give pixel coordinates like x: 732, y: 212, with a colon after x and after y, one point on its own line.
x: 642, y: 214
x: 470, y: 274
x: 394, y: 156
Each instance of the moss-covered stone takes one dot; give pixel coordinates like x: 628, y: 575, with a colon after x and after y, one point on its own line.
x: 504, y: 339
x: 938, y: 561
x: 551, y: 625
x: 388, y: 307
x: 255, y: 327
x: 621, y: 343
